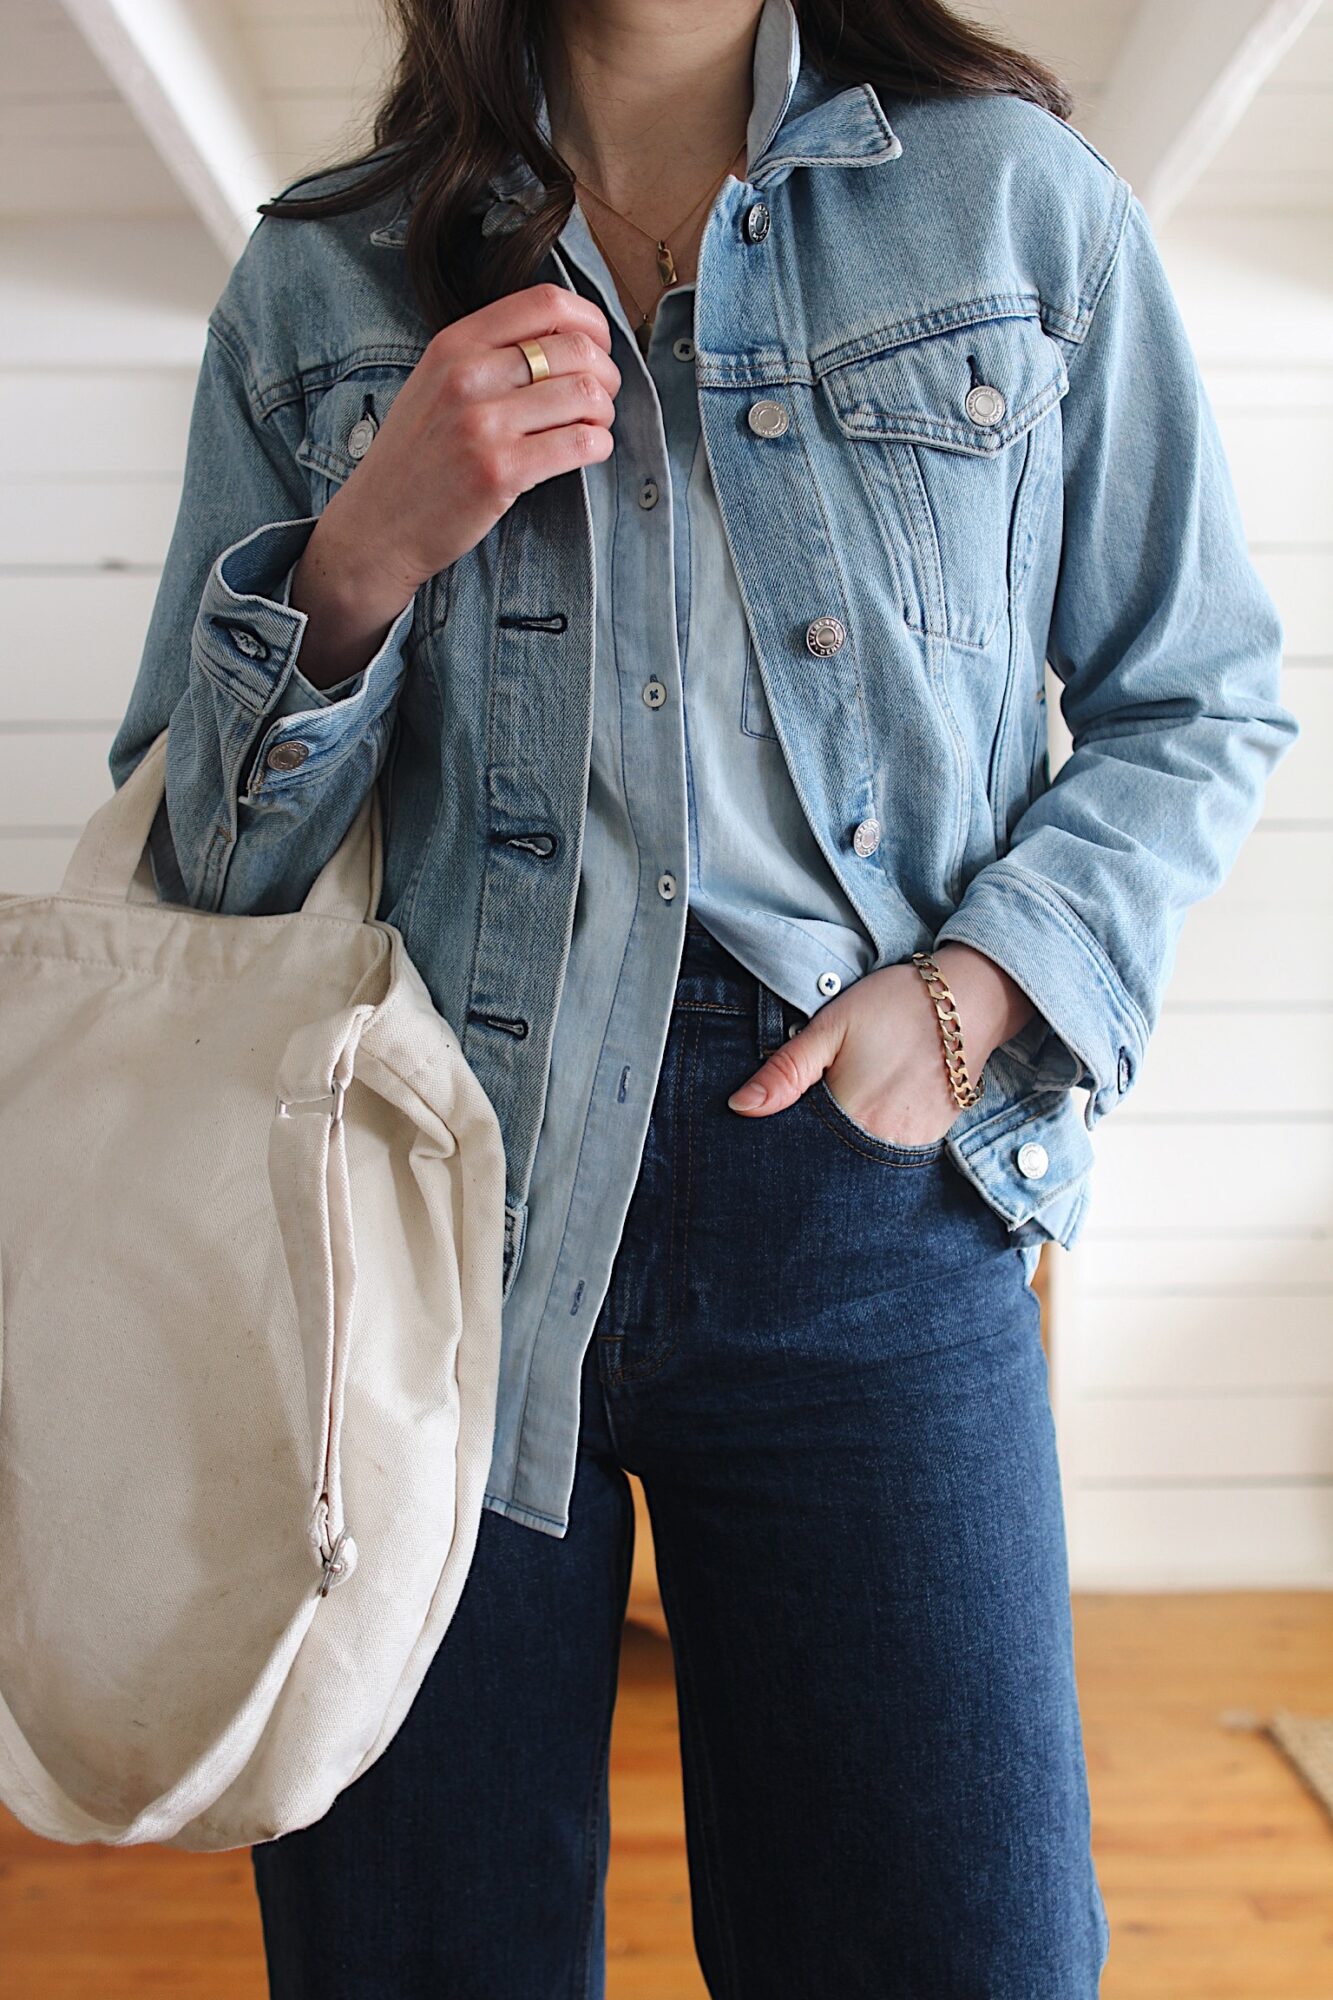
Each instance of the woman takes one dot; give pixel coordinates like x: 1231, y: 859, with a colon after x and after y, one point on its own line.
x: 666, y: 462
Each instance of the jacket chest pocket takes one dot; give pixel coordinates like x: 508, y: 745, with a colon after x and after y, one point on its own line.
x: 957, y: 436
x: 342, y: 421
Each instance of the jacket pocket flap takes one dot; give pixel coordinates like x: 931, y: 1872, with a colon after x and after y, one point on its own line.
x: 974, y: 389
x: 343, y: 419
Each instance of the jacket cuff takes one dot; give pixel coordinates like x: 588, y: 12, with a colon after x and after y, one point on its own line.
x: 247, y: 638
x: 246, y: 634
x: 1082, y: 1002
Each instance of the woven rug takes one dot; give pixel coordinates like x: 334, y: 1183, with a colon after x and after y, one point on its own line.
x: 1307, y: 1740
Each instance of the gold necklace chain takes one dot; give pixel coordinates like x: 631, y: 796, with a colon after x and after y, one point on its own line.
x: 666, y: 263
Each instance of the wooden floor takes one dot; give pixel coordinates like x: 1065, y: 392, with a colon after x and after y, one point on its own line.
x: 1216, y: 1863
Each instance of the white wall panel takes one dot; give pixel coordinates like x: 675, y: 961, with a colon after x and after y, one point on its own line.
x: 1184, y: 1439
x: 1263, y: 1264
x: 1247, y: 1535
x: 58, y: 524
x: 1200, y: 1344
x: 1213, y: 1172
x: 53, y: 778
x: 80, y: 638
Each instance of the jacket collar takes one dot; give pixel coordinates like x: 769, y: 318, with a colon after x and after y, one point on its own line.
x: 797, y: 119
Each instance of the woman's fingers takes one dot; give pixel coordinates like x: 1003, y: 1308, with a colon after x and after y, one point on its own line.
x: 564, y: 399
x: 536, y: 312
x: 568, y: 356
x: 788, y: 1073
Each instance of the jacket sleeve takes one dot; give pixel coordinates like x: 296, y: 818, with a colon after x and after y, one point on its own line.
x: 242, y: 829
x: 1168, y: 648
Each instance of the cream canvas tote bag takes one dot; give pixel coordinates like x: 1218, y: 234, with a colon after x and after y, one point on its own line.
x: 251, y: 1239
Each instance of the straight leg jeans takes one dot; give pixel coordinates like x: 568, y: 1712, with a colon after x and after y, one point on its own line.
x: 820, y: 1353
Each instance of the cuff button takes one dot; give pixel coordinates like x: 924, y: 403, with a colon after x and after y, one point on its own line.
x: 1033, y: 1161
x: 246, y: 642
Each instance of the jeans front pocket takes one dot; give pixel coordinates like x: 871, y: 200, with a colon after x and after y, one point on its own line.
x: 821, y: 1102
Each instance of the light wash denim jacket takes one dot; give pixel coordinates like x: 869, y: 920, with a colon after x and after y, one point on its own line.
x: 948, y: 402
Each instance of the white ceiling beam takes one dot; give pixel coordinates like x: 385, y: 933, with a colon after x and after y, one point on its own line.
x: 1186, y: 72
x: 175, y: 65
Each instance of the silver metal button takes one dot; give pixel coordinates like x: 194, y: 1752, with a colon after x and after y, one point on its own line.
x: 794, y: 1029
x: 287, y: 756
x: 655, y: 693
x: 361, y: 437
x: 984, y: 404
x: 756, y: 222
x: 825, y: 636
x: 666, y: 887
x: 1033, y: 1160
x: 866, y: 838
x: 767, y: 420
x: 648, y: 493
x: 1122, y: 1075
x: 683, y: 349
x: 828, y: 984
x: 246, y: 642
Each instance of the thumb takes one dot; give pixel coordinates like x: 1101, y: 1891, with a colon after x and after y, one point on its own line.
x: 788, y: 1073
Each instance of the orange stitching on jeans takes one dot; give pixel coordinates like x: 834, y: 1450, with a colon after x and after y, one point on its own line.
x: 846, y: 1138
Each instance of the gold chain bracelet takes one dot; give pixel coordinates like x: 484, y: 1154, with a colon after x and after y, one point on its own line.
x: 964, y: 1093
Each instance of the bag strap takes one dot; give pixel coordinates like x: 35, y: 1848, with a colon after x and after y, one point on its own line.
x: 311, y: 1186
x: 106, y: 860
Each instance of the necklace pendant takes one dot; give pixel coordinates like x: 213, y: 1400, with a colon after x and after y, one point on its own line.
x: 666, y: 264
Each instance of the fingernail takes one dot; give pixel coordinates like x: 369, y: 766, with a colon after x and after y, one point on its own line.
x: 749, y: 1094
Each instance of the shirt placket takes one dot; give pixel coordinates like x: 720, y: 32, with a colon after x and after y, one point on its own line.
x: 629, y: 928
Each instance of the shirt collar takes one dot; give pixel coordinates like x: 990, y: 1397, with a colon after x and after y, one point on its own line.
x: 798, y: 118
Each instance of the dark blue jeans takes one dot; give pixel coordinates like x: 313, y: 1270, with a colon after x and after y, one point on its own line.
x: 820, y: 1353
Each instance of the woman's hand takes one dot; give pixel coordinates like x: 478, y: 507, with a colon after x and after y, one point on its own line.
x: 465, y: 435
x: 878, y: 1047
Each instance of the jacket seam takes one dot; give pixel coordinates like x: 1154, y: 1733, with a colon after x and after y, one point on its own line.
x: 1113, y: 236
x: 232, y: 343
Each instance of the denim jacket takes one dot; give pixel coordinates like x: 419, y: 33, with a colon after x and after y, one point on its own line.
x: 949, y: 403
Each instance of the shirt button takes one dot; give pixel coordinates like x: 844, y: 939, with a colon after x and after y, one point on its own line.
x: 246, y: 642
x: 361, y: 437
x: 825, y: 636
x: 767, y: 420
x: 655, y: 693
x: 648, y: 493
x: 756, y: 222
x: 287, y: 756
x: 1033, y: 1160
x: 866, y: 838
x: 666, y: 887
x: 683, y: 349
x: 828, y: 984
x: 984, y: 404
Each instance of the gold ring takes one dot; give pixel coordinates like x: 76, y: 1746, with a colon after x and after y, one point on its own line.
x: 535, y: 356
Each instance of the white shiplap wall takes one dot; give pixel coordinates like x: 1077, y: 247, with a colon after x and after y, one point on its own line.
x: 101, y: 333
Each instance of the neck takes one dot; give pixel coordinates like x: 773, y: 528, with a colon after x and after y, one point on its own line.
x: 649, y: 99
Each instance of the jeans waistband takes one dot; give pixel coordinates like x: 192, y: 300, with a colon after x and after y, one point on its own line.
x: 713, y: 978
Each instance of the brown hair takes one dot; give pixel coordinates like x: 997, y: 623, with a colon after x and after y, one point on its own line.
x: 461, y: 102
